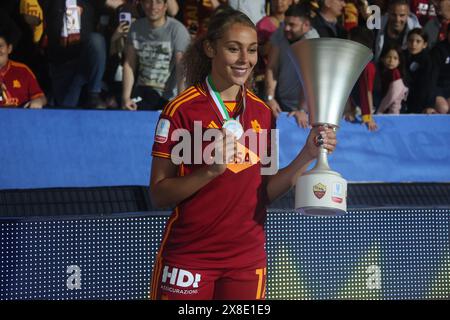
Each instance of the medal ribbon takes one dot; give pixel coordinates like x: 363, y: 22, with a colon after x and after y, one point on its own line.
x: 214, y: 94
x: 217, y: 99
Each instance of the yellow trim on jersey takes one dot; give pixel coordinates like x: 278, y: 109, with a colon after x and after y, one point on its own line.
x: 231, y: 105
x: 24, y: 66
x: 155, y: 276
x: 158, y: 262
x: 161, y: 154
x: 200, y: 88
x: 213, y: 125
x: 254, y: 97
x: 175, y: 107
x: 180, y: 96
x: 182, y: 174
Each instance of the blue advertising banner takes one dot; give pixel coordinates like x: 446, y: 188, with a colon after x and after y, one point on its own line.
x: 88, y: 148
x: 405, y: 148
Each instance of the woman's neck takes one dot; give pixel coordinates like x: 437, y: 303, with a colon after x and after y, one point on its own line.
x: 227, y: 92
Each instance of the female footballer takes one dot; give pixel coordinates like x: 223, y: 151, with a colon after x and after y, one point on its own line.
x: 213, y: 246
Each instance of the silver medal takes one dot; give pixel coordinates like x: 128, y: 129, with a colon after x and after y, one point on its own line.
x: 234, y: 127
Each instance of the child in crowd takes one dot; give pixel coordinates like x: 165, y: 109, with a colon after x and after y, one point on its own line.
x: 418, y: 71
x: 18, y: 85
x: 393, y: 89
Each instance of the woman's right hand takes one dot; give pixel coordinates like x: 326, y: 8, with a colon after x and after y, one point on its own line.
x: 224, y: 152
x: 320, y: 136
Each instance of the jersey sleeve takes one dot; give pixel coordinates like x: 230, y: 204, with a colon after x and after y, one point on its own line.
x: 371, y: 72
x: 163, y: 141
x: 366, y: 86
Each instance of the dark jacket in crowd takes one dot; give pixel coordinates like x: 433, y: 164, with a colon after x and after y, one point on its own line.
x: 419, y: 71
x: 440, y: 55
x: 11, y: 20
x: 328, y: 30
x: 54, y: 13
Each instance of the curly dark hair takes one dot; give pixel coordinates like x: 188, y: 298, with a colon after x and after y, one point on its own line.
x: 197, y: 65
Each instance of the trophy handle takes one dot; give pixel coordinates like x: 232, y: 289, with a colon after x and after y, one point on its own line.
x: 322, y: 160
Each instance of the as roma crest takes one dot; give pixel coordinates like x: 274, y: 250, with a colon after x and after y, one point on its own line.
x: 319, y: 190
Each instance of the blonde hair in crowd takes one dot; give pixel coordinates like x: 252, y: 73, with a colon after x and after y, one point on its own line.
x: 197, y: 65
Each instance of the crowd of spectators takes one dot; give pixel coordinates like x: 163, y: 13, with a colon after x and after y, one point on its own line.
x: 128, y: 54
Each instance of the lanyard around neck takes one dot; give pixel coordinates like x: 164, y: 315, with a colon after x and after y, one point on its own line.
x: 217, y: 98
x: 214, y: 94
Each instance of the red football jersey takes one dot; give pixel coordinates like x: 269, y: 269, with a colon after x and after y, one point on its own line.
x: 222, y: 224
x: 18, y: 85
x: 366, y: 81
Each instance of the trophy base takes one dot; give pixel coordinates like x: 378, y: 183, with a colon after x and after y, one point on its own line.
x: 320, y: 211
x: 321, y: 193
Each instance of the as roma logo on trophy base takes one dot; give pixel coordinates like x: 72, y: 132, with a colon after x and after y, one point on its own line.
x: 319, y: 190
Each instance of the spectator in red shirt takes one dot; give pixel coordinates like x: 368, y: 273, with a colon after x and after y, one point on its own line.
x: 18, y: 85
x: 213, y: 246
x: 393, y: 89
x: 423, y: 9
x: 362, y: 94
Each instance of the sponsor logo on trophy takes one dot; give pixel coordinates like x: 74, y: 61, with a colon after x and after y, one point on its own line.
x: 338, y: 192
x: 319, y: 190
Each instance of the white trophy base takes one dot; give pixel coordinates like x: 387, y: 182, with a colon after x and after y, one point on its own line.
x: 321, y: 193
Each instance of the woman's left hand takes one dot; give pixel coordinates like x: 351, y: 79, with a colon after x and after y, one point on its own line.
x: 318, y: 136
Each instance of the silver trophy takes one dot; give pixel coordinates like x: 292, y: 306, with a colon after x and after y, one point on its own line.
x: 329, y: 68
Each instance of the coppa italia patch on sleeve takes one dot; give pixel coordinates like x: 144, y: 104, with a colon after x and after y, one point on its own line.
x: 162, y: 131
